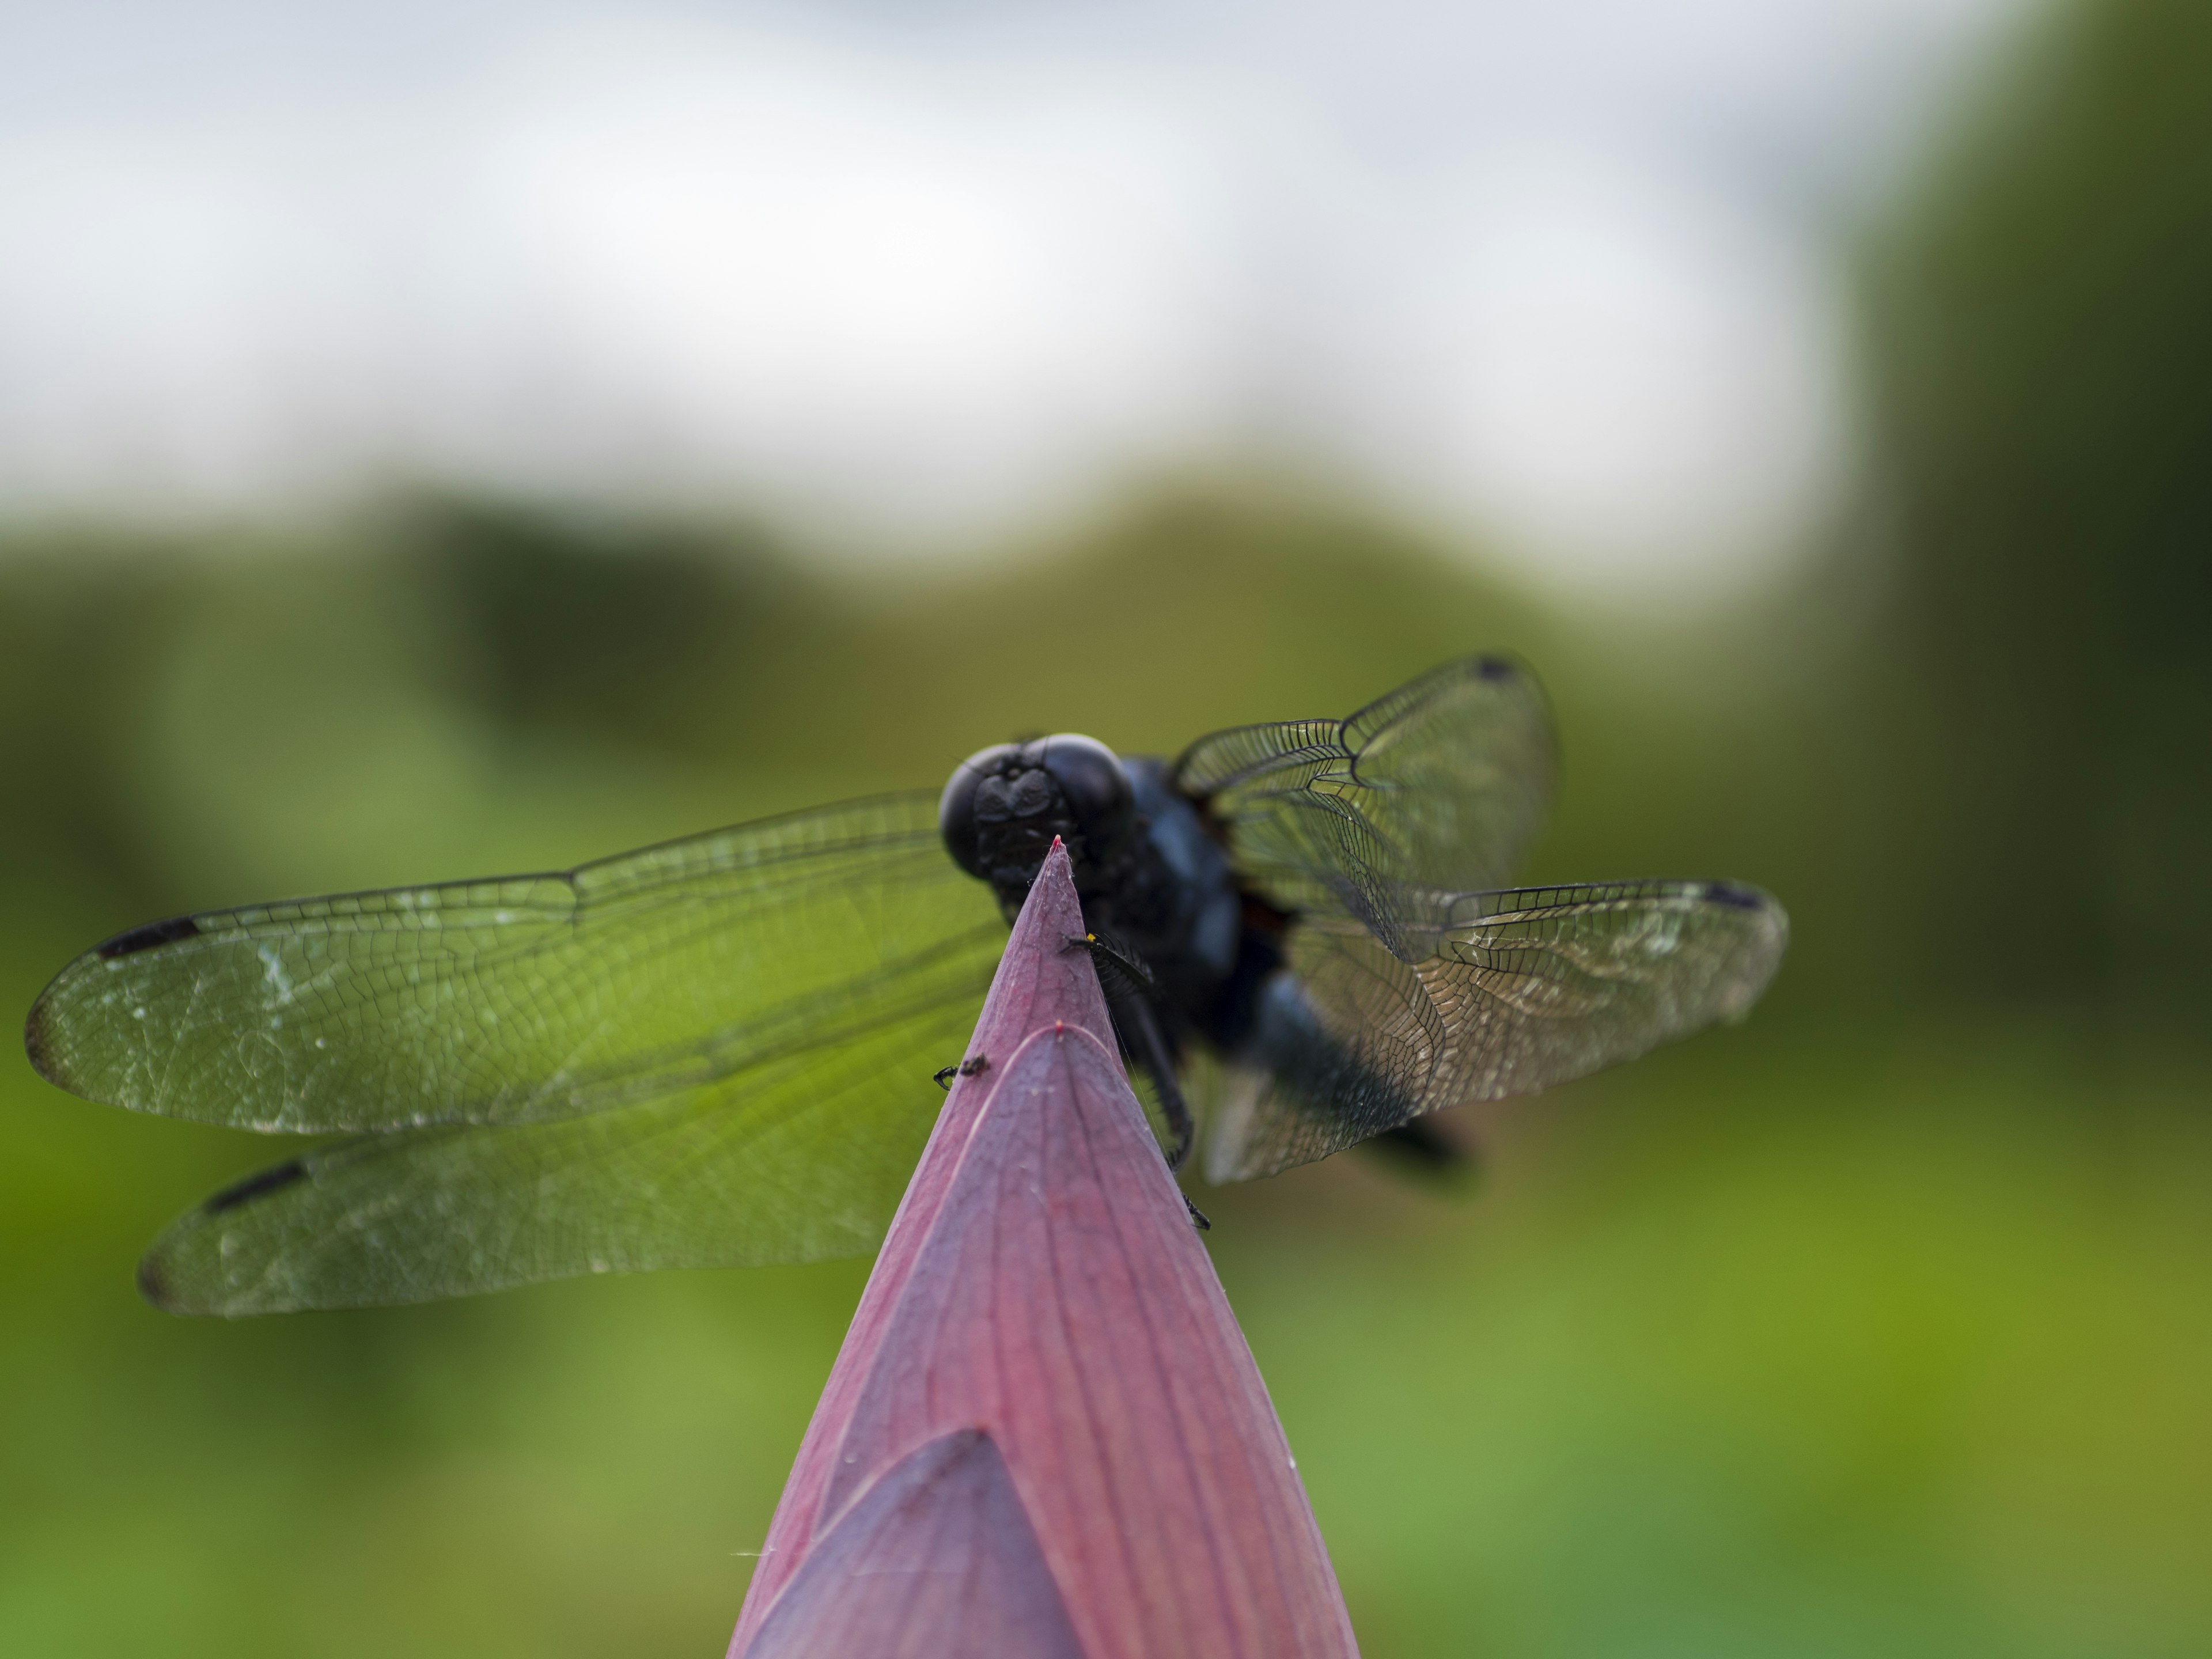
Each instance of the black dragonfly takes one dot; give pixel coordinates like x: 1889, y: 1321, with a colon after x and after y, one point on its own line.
x: 719, y: 1051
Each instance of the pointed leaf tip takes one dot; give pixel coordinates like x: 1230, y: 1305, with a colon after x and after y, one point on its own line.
x: 1038, y: 980
x: 1043, y: 1288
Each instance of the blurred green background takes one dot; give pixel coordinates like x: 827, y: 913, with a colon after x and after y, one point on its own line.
x: 1880, y: 1325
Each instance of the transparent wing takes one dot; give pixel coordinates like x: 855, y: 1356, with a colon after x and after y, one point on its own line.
x: 1526, y: 987
x: 801, y: 1157
x: 532, y: 997
x: 1439, y: 786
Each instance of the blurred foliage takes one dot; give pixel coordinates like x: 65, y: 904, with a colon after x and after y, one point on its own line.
x: 1877, y: 1326
x: 2043, y: 367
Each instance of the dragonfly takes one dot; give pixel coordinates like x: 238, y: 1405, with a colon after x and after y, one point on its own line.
x: 719, y: 1051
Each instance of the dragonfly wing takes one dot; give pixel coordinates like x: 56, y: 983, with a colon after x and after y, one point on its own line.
x: 1437, y: 788
x: 799, y: 1157
x: 1526, y: 987
x: 530, y: 998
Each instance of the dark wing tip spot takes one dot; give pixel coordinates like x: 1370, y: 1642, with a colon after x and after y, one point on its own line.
x: 146, y: 938
x: 151, y: 1284
x: 257, y: 1186
x: 1494, y: 668
x: 1742, y: 898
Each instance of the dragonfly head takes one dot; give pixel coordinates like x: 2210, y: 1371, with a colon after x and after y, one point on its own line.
x: 1004, y: 805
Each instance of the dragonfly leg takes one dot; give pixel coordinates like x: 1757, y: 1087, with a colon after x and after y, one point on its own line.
x: 1128, y: 987
x: 1151, y: 1049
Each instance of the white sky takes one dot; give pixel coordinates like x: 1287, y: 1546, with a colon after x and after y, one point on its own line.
x: 910, y: 275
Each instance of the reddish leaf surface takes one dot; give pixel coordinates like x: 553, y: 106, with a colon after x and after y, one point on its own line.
x: 1044, y: 1424
x: 936, y: 1559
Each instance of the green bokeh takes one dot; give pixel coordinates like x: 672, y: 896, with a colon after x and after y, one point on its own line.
x: 1879, y: 1326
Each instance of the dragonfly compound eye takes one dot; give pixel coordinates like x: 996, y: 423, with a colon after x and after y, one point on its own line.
x: 1097, y: 790
x: 956, y: 807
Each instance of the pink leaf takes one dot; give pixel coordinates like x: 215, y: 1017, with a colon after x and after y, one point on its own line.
x: 937, y: 1559
x: 1043, y: 1286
